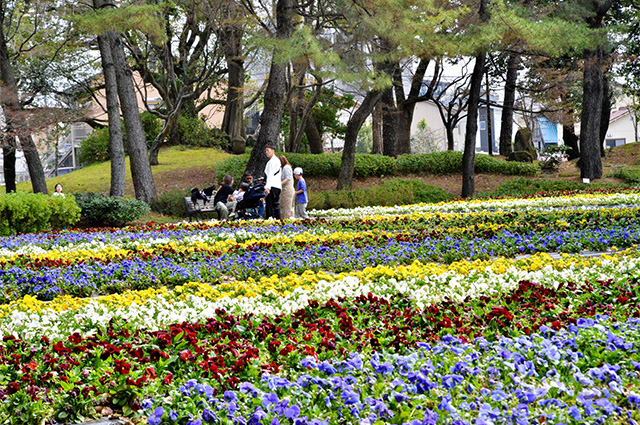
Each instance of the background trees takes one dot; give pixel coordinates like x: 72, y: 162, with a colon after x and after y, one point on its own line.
x: 385, y: 55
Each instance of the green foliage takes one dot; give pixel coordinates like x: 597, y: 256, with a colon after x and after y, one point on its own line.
x: 392, y: 192
x: 629, y: 175
x: 105, y: 211
x: 95, y: 148
x: 489, y: 165
x: 171, y: 203
x: 364, y: 143
x: 325, y: 113
x: 234, y: 165
x: 439, y: 163
x: 144, y: 18
x: 524, y: 186
x: 195, y: 132
x: 151, y: 125
x: 23, y: 212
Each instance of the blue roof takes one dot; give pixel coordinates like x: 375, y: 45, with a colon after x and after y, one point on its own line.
x: 549, y: 130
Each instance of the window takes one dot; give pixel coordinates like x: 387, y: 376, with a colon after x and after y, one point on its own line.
x: 483, y: 125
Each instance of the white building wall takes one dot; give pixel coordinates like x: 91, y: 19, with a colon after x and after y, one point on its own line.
x: 621, y: 130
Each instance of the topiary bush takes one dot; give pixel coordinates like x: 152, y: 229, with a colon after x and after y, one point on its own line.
x: 392, y: 192
x: 106, y: 211
x: 22, y: 212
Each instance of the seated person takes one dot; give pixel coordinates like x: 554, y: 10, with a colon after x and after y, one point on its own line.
x: 223, y: 201
x: 239, y: 194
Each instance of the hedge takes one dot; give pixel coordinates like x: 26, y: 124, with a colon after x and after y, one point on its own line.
x: 397, y: 191
x: 523, y: 186
x: 23, y: 212
x: 102, y: 210
x: 366, y: 165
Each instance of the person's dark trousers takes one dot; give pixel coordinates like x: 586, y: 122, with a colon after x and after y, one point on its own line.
x: 273, y: 204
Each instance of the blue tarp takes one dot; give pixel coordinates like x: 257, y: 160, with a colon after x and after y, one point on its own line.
x: 549, y: 131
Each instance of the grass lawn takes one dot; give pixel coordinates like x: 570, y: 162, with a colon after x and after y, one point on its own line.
x: 179, y: 168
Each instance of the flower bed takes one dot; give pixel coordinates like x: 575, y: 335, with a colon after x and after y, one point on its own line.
x: 324, y: 322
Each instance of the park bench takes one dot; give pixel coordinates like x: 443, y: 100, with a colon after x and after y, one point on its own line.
x: 194, y: 211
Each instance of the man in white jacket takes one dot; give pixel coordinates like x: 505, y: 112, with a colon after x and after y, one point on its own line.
x: 273, y: 185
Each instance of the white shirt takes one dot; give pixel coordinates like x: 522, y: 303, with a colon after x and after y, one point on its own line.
x: 272, y: 174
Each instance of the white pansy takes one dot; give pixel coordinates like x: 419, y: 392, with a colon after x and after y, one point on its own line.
x: 157, y: 312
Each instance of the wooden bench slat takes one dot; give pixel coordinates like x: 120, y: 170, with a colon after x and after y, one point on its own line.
x: 194, y: 211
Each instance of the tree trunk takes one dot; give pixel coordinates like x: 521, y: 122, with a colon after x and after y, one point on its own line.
x: 36, y: 172
x: 274, y: 95
x: 11, y: 106
x: 116, y: 144
x: 233, y: 121
x: 389, y: 120
x: 169, y: 127
x: 605, y: 115
x: 306, y: 116
x: 469, y: 155
x: 136, y: 140
x: 591, y: 162
x: 316, y: 145
x: 489, y: 123
x: 407, y: 106
x: 376, y: 129
x: 506, y: 127
x: 9, y: 164
x: 345, y: 178
x: 571, y: 141
x: 450, y: 140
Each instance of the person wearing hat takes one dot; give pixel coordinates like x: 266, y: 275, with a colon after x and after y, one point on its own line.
x: 273, y: 185
x: 302, y: 198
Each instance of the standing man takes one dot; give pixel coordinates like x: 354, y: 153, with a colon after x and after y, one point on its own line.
x: 273, y: 185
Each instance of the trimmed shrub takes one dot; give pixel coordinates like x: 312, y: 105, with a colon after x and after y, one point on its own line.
x: 171, y: 203
x: 106, y: 211
x: 23, y: 212
x: 366, y: 165
x: 523, y: 186
x: 391, y: 192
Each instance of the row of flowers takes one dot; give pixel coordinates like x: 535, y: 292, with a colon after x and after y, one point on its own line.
x: 52, y: 275
x: 425, y: 283
x: 122, y: 364
x: 578, y: 200
x: 148, y: 236
x: 588, y: 373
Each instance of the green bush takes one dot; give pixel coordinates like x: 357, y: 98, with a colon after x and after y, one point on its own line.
x: 95, y: 148
x: 151, y: 125
x: 22, y: 212
x: 391, y: 192
x: 629, y: 175
x: 234, y: 165
x: 439, y: 163
x: 524, y: 186
x: 171, y: 203
x: 195, y: 132
x: 106, y: 211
